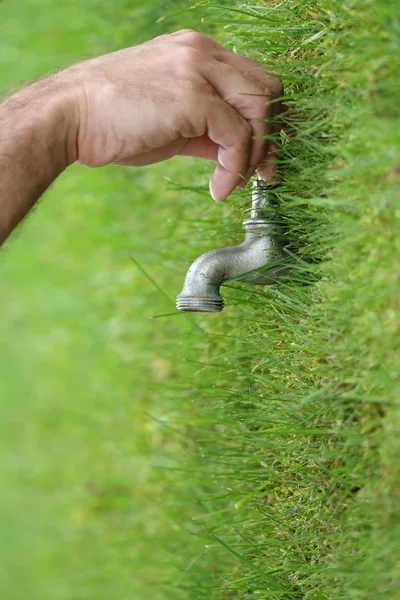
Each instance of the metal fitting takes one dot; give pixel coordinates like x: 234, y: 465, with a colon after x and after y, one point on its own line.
x: 245, y: 262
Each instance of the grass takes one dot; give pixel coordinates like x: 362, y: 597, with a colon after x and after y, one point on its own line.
x: 252, y: 454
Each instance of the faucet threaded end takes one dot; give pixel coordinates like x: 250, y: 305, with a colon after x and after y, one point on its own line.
x: 193, y: 304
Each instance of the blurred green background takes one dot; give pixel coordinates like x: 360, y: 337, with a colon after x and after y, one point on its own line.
x: 78, y: 349
x: 252, y: 454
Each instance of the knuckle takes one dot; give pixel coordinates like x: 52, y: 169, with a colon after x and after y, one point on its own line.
x: 189, y: 125
x: 186, y: 31
x: 187, y: 61
x: 275, y: 85
x: 271, y: 83
x: 192, y: 36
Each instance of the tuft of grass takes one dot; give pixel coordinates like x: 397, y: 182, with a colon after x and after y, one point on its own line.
x: 252, y: 454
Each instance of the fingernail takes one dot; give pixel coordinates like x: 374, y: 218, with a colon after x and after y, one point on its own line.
x: 213, y: 192
x: 271, y: 178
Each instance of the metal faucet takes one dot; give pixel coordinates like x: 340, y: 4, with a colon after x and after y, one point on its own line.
x: 245, y: 262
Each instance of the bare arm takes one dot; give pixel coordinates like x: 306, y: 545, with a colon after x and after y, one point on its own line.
x: 177, y: 94
x: 36, y: 145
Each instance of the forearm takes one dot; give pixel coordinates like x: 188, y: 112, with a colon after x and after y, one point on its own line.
x: 36, y: 144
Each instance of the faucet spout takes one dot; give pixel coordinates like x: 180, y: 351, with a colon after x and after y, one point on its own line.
x: 247, y: 262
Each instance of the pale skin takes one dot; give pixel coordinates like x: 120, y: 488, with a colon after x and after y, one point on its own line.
x: 178, y: 94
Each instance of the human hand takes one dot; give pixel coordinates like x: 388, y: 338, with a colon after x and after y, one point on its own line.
x: 178, y: 94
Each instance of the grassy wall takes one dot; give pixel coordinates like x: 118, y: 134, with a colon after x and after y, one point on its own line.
x: 252, y: 454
